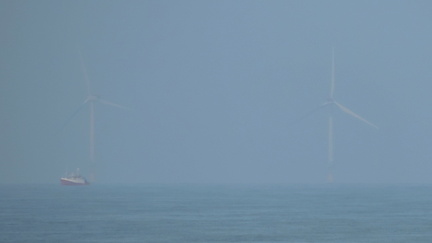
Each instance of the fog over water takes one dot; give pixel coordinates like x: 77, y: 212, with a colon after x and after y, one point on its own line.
x: 216, y: 90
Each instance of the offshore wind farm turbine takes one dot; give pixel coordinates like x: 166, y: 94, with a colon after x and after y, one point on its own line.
x: 333, y: 103
x: 91, y: 100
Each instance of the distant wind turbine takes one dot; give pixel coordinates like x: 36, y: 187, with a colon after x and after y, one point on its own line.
x: 91, y: 100
x: 332, y: 102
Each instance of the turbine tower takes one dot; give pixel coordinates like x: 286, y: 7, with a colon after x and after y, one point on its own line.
x: 331, y: 102
x: 91, y: 100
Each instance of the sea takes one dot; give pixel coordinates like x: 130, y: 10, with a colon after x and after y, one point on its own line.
x: 216, y: 213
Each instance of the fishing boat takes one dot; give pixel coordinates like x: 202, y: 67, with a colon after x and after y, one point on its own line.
x: 74, y: 179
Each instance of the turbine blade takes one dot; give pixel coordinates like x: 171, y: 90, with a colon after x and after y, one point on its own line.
x: 74, y: 114
x: 315, y: 110
x: 113, y: 104
x: 332, y: 82
x: 84, y: 70
x: 349, y: 112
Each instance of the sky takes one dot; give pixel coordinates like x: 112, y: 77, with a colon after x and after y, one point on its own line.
x: 217, y: 90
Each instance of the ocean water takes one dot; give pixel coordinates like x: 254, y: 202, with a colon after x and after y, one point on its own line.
x: 216, y: 213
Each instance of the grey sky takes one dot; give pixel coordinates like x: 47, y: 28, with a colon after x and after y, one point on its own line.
x: 216, y: 89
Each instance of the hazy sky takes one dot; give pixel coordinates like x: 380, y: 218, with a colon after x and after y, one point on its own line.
x: 216, y: 88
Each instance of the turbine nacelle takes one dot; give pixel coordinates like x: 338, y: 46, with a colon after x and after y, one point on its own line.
x: 92, y: 98
x: 330, y: 100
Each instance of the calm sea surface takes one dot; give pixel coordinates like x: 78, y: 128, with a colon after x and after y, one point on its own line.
x: 216, y: 213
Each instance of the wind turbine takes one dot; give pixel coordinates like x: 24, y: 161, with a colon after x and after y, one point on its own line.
x: 91, y: 100
x: 333, y: 103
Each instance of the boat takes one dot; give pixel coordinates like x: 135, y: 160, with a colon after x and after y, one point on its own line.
x: 74, y: 179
